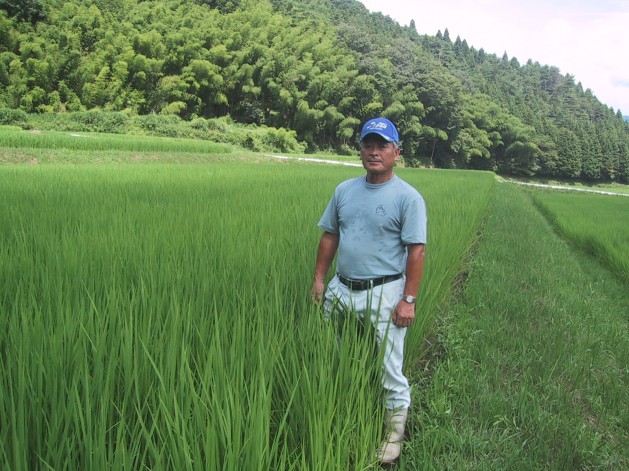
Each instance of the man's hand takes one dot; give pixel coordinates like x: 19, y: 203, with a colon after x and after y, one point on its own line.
x: 404, y: 314
x: 316, y: 292
x: 325, y: 254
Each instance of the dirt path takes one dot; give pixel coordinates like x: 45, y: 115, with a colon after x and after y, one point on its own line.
x: 323, y: 161
x: 559, y: 187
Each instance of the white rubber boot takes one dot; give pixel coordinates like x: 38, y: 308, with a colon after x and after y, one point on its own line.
x: 394, y: 423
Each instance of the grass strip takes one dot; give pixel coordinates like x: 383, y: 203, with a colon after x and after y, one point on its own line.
x: 535, y: 368
x: 596, y: 224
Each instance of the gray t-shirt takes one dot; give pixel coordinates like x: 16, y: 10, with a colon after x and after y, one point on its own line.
x: 375, y: 223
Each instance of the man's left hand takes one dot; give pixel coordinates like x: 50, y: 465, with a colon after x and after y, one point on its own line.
x: 404, y: 314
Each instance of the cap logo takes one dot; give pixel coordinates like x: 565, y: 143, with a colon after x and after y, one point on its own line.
x: 375, y: 125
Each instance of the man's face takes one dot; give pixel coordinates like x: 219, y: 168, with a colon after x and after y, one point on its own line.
x: 378, y: 155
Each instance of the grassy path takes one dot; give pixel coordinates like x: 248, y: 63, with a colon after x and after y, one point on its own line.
x: 534, y: 371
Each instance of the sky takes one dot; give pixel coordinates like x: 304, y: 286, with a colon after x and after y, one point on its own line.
x: 588, y: 39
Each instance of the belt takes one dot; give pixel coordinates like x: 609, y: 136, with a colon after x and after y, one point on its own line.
x: 362, y: 285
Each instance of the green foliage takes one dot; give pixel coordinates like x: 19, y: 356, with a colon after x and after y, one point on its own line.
x: 30, y: 11
x: 302, y: 67
x: 14, y: 117
x: 158, y: 125
x: 262, y: 138
x: 223, y: 130
x: 95, y: 121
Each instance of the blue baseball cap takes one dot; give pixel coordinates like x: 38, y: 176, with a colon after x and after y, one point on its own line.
x: 382, y: 127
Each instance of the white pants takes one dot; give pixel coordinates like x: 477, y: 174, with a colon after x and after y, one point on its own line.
x: 377, y: 305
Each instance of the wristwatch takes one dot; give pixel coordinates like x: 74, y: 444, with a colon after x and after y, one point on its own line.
x: 409, y: 299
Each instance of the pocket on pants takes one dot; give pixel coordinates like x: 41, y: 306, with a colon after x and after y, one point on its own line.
x: 330, y: 293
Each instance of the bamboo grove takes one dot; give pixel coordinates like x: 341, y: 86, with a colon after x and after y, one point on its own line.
x: 317, y: 68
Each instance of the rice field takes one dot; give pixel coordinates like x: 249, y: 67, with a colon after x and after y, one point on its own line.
x: 596, y: 224
x: 90, y: 141
x: 157, y: 316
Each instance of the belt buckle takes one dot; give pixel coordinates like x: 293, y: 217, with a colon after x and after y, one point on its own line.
x: 356, y: 285
x: 362, y: 285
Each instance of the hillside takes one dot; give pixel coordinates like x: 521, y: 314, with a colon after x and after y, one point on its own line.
x: 303, y: 67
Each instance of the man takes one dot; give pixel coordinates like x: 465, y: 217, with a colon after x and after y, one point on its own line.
x: 377, y: 222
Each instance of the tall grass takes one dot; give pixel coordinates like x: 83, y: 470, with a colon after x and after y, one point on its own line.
x: 596, y: 224
x: 158, y: 317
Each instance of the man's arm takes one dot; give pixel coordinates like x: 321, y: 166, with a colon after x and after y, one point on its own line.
x: 404, y: 313
x: 328, y: 244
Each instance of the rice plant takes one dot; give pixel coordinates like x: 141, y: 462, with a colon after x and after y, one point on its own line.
x: 597, y: 224
x: 158, y: 317
x: 11, y: 138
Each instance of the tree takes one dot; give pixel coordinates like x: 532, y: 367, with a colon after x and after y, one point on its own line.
x: 592, y: 154
x: 206, y: 83
x: 30, y: 11
x: 440, y: 93
x: 569, y: 154
x: 224, y: 6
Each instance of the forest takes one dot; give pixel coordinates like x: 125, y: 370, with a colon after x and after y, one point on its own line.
x: 316, y: 68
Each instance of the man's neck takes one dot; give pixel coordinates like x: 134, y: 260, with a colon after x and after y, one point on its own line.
x: 377, y: 178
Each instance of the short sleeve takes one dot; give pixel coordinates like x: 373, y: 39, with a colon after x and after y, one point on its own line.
x: 329, y: 221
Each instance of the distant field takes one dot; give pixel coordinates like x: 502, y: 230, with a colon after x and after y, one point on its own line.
x: 606, y: 187
x: 104, y: 142
x: 596, y: 224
